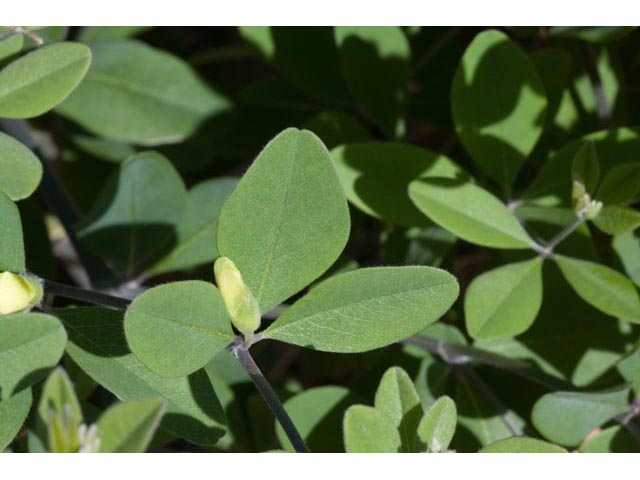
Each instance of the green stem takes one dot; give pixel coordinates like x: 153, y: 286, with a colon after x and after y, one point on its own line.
x: 83, y: 295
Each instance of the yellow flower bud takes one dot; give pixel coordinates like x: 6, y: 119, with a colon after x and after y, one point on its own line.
x: 240, y: 302
x: 18, y: 292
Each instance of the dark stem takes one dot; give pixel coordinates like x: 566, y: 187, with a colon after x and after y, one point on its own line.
x: 270, y: 397
x: 603, y: 107
x: 83, y: 295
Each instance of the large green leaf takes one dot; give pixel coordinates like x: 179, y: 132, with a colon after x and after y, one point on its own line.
x: 175, y: 329
x: 375, y: 65
x: 522, y: 445
x: 196, y: 231
x: 469, y: 211
x: 568, y: 417
x: 13, y: 413
x: 602, y: 287
x: 40, y: 80
x: 627, y: 246
x: 621, y: 184
x: 288, y: 219
x: 504, y: 302
x: 97, y: 344
x: 376, y: 175
x: 367, y: 430
x: 438, y: 425
x: 128, y: 427
x: 139, y: 94
x: 135, y: 216
x: 366, y: 309
x: 615, y: 219
x: 30, y: 344
x: 498, y: 104
x: 317, y: 414
x: 398, y: 400
x: 11, y: 242
x: 24, y: 167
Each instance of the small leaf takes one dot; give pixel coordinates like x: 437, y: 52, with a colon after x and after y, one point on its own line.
x: 568, y: 417
x: 367, y: 430
x: 522, y: 445
x: 375, y: 65
x: 13, y: 413
x: 366, y: 309
x: 287, y: 221
x: 614, y: 219
x: 25, y: 168
x: 30, y: 344
x: 376, y: 175
x: 176, y: 328
x: 498, y: 104
x: 398, y: 400
x: 97, y: 344
x: 627, y: 246
x: 58, y: 398
x: 11, y: 242
x: 602, y: 287
x: 139, y: 94
x: 504, y: 302
x: 40, y: 80
x: 438, y: 425
x: 586, y: 167
x: 469, y: 212
x: 128, y: 427
x: 621, y: 185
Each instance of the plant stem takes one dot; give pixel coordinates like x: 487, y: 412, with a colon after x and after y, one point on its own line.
x: 83, y: 295
x: 547, y: 250
x: 241, y: 352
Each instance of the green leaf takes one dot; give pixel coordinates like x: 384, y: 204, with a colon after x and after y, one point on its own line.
x: 128, y: 427
x: 196, y: 231
x: 614, y: 219
x: 136, y: 214
x: 176, y: 328
x: 367, y: 430
x: 58, y: 397
x: 375, y: 65
x: 11, y: 242
x: 438, y: 425
x: 621, y: 185
x: 317, y: 414
x: 627, y: 246
x: 398, y: 400
x: 109, y: 150
x: 586, y: 167
x: 568, y: 417
x: 40, y: 80
x: 30, y: 344
x: 287, y: 221
x: 366, y: 309
x: 498, y: 104
x: 592, y: 34
x: 629, y: 369
x: 469, y: 211
x: 522, y: 445
x: 554, y: 66
x: 97, y: 344
x: 139, y: 94
x: 108, y: 34
x: 616, y: 439
x: 602, y: 287
x: 376, y: 175
x: 13, y: 413
x: 504, y: 302
x: 25, y: 168
x: 9, y: 46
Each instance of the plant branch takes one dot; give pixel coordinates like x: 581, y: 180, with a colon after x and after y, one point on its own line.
x: 83, y: 295
x: 241, y: 352
x: 627, y: 418
x: 547, y: 250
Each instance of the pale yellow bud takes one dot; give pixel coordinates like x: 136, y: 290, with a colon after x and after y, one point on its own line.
x: 592, y: 210
x: 240, y: 302
x: 18, y: 292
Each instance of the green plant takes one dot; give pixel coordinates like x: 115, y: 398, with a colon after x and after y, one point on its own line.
x: 163, y: 221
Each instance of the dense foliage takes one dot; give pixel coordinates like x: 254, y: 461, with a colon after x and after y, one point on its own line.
x: 426, y: 237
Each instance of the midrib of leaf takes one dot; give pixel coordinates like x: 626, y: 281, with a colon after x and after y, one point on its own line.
x: 117, y: 82
x: 39, y: 79
x: 198, y: 328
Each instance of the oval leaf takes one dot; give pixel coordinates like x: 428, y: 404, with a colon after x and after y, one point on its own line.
x: 522, y: 445
x: 602, y: 287
x: 504, y: 302
x: 367, y: 430
x: 13, y: 413
x: 11, y: 242
x: 175, y: 329
x: 25, y: 168
x: 614, y: 219
x: 366, y: 309
x: 288, y: 219
x: 58, y: 397
x: 621, y: 185
x: 438, y: 425
x: 469, y: 211
x: 40, y: 80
